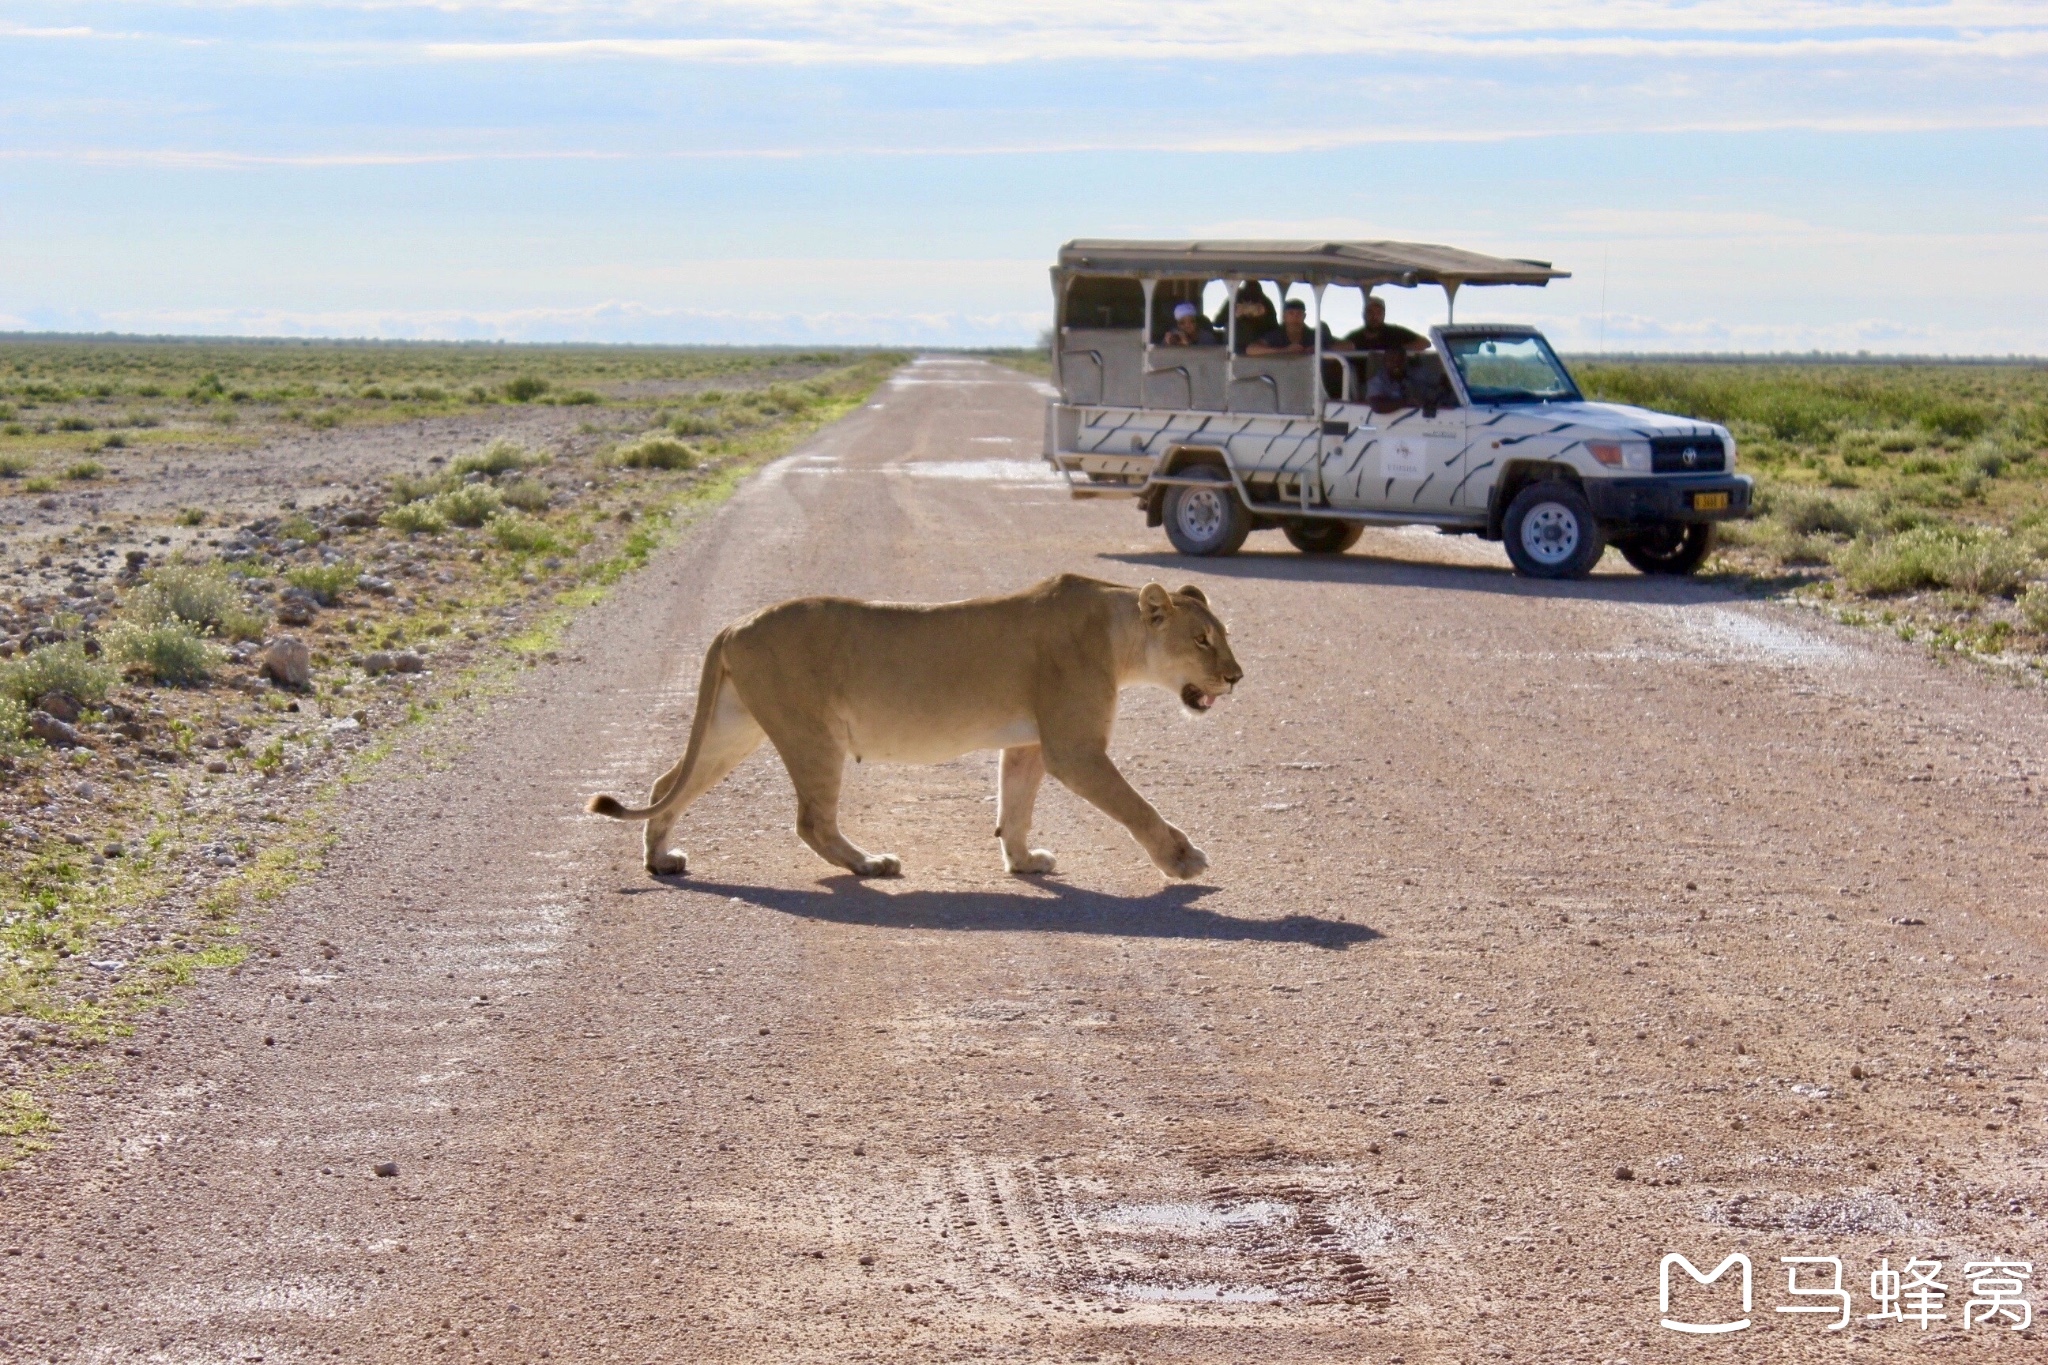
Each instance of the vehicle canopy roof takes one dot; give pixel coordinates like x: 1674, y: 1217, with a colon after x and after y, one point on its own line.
x: 1360, y: 263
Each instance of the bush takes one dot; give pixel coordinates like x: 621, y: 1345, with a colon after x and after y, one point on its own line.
x: 471, y: 505
x: 1809, y: 512
x: 415, y: 518
x: 523, y: 535
x: 578, y: 398
x: 528, y: 495
x: 199, y: 595
x: 41, y: 483
x: 1989, y: 563
x: 14, y: 466
x: 191, y: 516
x: 73, y: 424
x: 525, y: 388
x: 656, y: 452
x: 502, y: 456
x: 173, y: 653
x: 61, y: 668
x: 419, y: 487
x: 2033, y: 605
x: 324, y: 420
x: 693, y: 424
x: 327, y: 582
x: 13, y: 723
x: 84, y: 470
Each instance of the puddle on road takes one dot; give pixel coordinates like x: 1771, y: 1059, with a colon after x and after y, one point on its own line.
x: 995, y: 471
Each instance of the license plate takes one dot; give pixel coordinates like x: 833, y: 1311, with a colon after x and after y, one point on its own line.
x: 1710, y: 502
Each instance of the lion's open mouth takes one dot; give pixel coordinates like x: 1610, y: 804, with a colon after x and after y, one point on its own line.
x: 1195, y: 699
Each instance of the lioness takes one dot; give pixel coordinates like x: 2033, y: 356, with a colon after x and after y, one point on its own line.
x: 1034, y: 674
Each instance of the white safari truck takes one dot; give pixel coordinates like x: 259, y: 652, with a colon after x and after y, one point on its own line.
x: 1167, y: 397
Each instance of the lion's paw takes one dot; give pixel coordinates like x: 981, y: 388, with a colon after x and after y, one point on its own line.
x: 668, y: 863
x: 880, y: 865
x: 1185, y: 860
x: 1035, y: 863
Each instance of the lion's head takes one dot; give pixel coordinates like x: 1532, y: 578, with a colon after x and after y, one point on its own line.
x: 1188, y: 651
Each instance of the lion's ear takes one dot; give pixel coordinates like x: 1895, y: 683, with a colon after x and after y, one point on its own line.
x: 1153, y: 604
x: 1190, y: 590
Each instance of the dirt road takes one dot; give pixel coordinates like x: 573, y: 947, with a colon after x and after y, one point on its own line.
x: 1549, y: 929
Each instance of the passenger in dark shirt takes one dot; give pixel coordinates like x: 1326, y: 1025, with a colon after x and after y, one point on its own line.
x: 1292, y: 337
x: 1255, y: 316
x: 1190, y: 328
x: 1380, y: 335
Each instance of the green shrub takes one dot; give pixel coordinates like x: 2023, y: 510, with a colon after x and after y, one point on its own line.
x: 13, y: 724
x: 415, y: 518
x: 73, y: 424
x: 327, y: 582
x: 2033, y: 605
x: 525, y: 388
x: 470, y: 505
x: 191, y: 516
x: 419, y: 487
x: 113, y: 440
x: 61, y: 668
x: 199, y: 595
x: 41, y: 483
x: 84, y: 470
x: 300, y: 528
x: 1984, y: 562
x: 14, y: 466
x: 173, y: 652
x: 324, y: 420
x: 523, y: 535
x: 528, y: 495
x: 655, y: 452
x: 693, y: 424
x: 578, y: 398
x: 1808, y: 512
x: 501, y: 456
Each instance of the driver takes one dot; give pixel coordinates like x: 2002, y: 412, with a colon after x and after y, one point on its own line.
x: 1380, y: 335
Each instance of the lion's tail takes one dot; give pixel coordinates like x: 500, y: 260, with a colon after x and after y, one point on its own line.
x: 714, y: 680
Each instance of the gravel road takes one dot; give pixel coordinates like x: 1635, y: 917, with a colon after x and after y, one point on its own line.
x: 1549, y: 929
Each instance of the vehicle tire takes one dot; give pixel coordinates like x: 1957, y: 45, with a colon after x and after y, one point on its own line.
x: 1323, y: 537
x: 1550, y: 532
x: 1675, y: 547
x: 1204, y: 520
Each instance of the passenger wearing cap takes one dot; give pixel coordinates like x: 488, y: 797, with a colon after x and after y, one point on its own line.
x: 1190, y: 328
x: 1378, y: 334
x: 1292, y: 336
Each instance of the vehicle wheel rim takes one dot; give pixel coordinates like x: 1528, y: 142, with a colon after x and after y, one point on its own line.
x: 1201, y: 515
x: 1550, y: 533
x: 1663, y: 543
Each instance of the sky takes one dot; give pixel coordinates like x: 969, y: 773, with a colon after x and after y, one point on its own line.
x: 1718, y: 175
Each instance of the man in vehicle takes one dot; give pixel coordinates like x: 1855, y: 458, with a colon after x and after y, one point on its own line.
x: 1292, y: 336
x: 1190, y: 328
x: 1380, y: 335
x: 1388, y: 389
x: 1255, y: 315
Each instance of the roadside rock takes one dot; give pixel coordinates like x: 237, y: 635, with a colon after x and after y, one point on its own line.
x: 385, y: 661
x: 287, y: 661
x: 370, y: 583
x: 297, y: 607
x: 56, y: 733
x: 60, y: 706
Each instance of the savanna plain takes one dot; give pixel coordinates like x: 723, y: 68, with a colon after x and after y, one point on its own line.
x: 1550, y: 927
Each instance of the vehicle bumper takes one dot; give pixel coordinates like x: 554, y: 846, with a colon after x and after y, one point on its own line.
x: 1635, y: 502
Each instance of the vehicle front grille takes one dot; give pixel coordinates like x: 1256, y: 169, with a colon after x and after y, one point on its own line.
x: 1687, y: 454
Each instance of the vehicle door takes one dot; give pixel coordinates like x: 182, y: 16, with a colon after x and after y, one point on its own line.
x: 1408, y: 458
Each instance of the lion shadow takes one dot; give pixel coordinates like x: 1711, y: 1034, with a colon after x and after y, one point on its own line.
x: 1058, y: 908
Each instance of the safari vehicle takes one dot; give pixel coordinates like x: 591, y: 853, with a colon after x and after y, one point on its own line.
x: 1485, y: 434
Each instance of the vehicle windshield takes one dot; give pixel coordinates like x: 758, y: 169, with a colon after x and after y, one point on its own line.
x: 1518, y: 368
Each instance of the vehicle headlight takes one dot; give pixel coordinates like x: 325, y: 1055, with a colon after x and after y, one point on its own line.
x: 1621, y: 454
